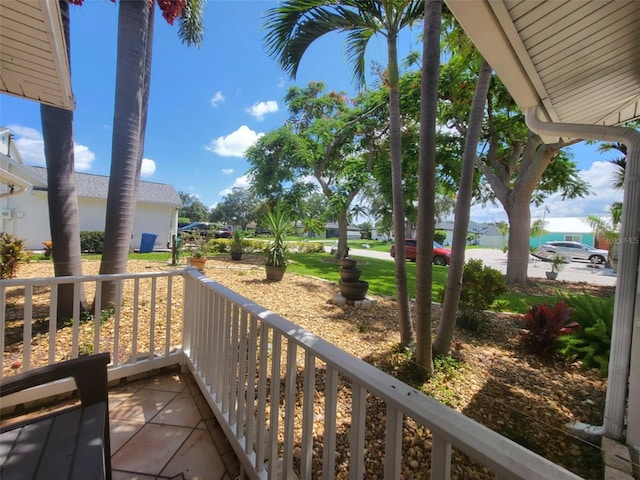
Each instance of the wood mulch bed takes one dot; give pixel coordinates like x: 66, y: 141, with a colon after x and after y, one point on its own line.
x: 492, y: 380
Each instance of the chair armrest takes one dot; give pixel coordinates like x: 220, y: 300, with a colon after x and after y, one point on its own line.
x: 89, y: 373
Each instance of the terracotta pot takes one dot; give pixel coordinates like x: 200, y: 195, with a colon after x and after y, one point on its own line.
x: 349, y: 274
x: 197, y: 262
x: 354, y: 290
x: 348, y: 263
x: 274, y: 274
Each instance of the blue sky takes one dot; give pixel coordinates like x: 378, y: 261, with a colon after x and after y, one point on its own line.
x: 207, y: 105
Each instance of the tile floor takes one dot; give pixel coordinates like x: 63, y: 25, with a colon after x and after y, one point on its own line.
x: 163, y: 428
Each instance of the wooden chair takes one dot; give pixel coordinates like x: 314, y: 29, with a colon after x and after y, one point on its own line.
x: 70, y: 443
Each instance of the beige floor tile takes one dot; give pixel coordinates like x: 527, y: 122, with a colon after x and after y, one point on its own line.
x: 142, y: 406
x: 180, y: 411
x: 171, y: 382
x: 120, y: 431
x: 121, y: 393
x: 150, y: 449
x: 119, y: 475
x: 197, y: 459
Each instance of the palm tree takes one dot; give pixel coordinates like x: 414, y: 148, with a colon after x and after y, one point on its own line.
x: 294, y: 25
x: 462, y: 213
x: 427, y: 181
x: 64, y: 222
x: 133, y: 75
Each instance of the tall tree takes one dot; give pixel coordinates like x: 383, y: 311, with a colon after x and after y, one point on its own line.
x: 427, y: 181
x: 237, y: 208
x: 294, y: 25
x: 133, y: 76
x: 64, y: 221
x: 324, y: 138
x: 462, y: 214
x: 516, y: 164
x: 192, y: 208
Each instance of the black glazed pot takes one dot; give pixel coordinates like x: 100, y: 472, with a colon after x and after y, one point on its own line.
x: 354, y: 290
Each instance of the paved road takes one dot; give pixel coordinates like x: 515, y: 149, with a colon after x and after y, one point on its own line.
x: 576, y: 271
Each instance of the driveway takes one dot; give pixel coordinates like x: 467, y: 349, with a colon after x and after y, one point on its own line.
x: 576, y: 271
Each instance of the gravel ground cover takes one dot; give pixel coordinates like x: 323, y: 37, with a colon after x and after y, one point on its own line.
x: 491, y: 379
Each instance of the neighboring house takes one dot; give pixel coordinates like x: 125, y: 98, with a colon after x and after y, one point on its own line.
x: 331, y: 231
x: 568, y: 229
x: 480, y: 234
x: 26, y: 215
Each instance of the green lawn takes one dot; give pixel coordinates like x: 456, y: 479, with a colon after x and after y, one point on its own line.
x: 381, y: 277
x: 379, y: 273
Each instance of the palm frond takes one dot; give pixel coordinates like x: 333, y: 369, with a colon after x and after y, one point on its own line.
x: 619, y: 172
x: 356, y: 46
x: 292, y: 27
x: 191, y: 27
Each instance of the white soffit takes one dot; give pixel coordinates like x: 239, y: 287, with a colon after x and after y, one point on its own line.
x: 576, y: 59
x: 33, y: 55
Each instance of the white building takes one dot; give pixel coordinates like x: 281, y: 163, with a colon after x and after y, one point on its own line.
x: 26, y: 214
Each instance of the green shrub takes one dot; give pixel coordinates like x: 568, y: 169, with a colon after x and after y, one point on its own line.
x: 544, y: 325
x: 439, y: 236
x: 480, y: 289
x: 593, y: 343
x: 307, y: 247
x: 481, y: 286
x: 91, y: 242
x: 12, y: 253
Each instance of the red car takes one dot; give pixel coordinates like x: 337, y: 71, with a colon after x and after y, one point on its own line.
x: 441, y: 255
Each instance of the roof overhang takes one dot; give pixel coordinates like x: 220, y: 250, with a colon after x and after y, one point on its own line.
x: 575, y: 60
x: 33, y: 53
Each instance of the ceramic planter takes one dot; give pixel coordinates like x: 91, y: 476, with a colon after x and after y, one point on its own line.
x: 197, y: 262
x: 275, y: 274
x: 350, y: 274
x: 354, y: 290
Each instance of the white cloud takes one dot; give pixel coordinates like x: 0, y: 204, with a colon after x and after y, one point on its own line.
x: 234, y: 144
x: 148, y: 167
x: 600, y: 178
x: 241, y: 182
x: 260, y: 109
x: 216, y: 99
x: 31, y: 147
x: 227, y: 171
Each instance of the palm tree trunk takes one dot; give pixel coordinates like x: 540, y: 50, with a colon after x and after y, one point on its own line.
x: 64, y: 221
x: 135, y: 37
x: 462, y: 214
x: 427, y: 181
x: 395, y: 142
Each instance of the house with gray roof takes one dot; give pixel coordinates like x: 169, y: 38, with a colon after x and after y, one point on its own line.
x: 26, y: 214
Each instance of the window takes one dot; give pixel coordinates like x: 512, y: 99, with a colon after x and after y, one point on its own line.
x: 573, y: 238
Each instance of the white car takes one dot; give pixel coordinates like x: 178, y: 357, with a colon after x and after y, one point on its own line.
x: 575, y: 250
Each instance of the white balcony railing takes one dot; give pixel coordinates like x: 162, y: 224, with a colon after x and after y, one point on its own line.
x: 243, y: 357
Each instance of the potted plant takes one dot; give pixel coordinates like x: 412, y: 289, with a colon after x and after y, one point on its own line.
x: 196, y: 247
x: 236, y: 246
x: 557, y: 264
x: 277, y: 253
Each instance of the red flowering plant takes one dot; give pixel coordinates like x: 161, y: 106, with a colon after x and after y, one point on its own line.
x: 171, y: 9
x: 543, y: 325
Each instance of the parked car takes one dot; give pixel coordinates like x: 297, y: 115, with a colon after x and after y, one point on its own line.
x: 441, y: 255
x: 574, y: 250
x: 223, y: 233
x: 262, y: 231
x: 202, y: 228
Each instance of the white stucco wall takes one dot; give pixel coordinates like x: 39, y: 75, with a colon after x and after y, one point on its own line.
x: 30, y: 219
